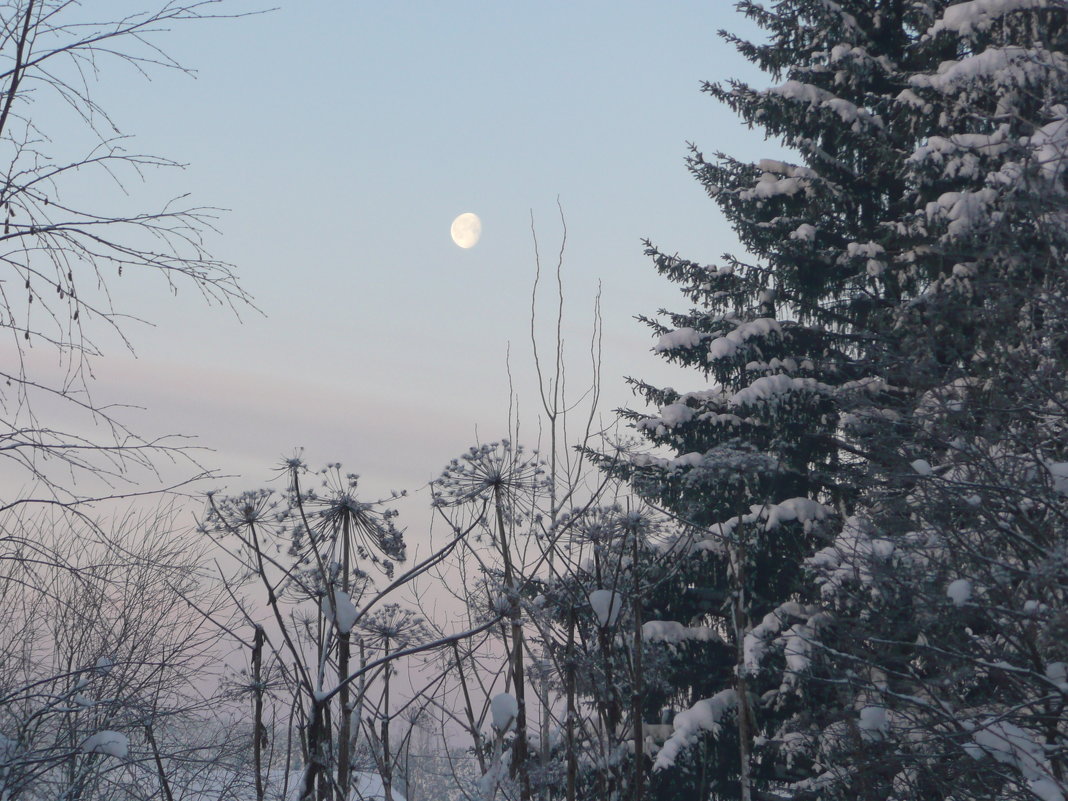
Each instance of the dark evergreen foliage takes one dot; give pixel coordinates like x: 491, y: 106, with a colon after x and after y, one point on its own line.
x: 884, y: 387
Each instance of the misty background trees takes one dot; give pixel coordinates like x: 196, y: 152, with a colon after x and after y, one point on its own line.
x: 832, y: 567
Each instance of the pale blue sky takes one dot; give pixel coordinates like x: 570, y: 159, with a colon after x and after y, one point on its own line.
x: 344, y: 137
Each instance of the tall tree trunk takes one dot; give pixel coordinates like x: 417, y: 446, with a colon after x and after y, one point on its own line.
x: 316, y: 784
x: 164, y: 784
x: 519, y: 750
x: 636, y: 685
x: 259, y: 731
x: 572, y: 712
x: 387, y: 758
x: 344, y: 733
x: 741, y: 688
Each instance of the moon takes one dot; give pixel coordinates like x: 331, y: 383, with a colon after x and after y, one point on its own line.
x: 466, y: 230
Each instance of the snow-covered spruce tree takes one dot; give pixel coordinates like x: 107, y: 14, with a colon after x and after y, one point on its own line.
x: 805, y: 359
x: 948, y: 581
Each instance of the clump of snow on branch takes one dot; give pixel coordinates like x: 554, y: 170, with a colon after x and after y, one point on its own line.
x: 995, y: 67
x: 495, y: 774
x: 607, y: 606
x: 959, y: 591
x: 850, y: 558
x: 976, y: 16
x: 760, y: 637
x: 504, y: 710
x: 1059, y: 473
x: 341, y: 612
x: 693, y: 459
x: 816, y: 97
x: 680, y: 338
x: 1057, y: 672
x: 726, y: 346
x: 922, y: 466
x: 770, y: 387
x: 800, y: 509
x: 703, y: 716
x: 671, y: 632
x: 1011, y: 745
x: 110, y: 743
x: 675, y: 414
x: 963, y: 212
x: 1050, y: 146
x: 772, y: 515
x: 873, y: 723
